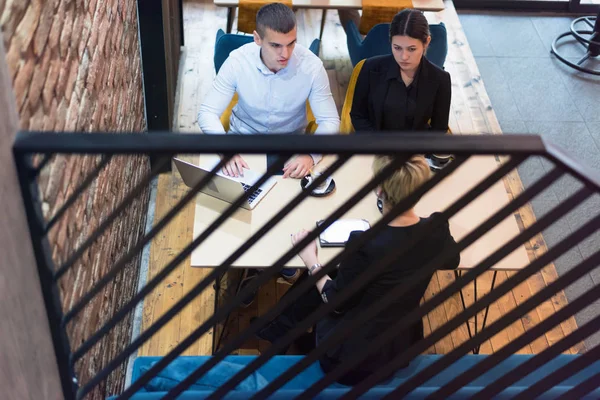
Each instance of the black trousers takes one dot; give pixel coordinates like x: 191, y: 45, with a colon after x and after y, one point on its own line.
x: 297, y: 312
x: 304, y: 305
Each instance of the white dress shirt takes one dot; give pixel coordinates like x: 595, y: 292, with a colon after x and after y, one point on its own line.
x: 270, y: 102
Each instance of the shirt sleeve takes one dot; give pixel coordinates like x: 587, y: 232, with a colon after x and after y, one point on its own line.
x: 218, y: 98
x: 323, y: 107
x: 349, y: 270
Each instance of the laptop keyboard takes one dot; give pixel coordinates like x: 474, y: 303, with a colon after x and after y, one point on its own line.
x: 254, y: 195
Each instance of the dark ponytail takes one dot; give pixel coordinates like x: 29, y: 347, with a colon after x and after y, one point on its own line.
x: 412, y: 23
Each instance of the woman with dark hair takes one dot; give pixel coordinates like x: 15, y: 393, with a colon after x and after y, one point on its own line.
x: 403, y: 91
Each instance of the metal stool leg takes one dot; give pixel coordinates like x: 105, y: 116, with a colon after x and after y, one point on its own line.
x: 322, y: 24
x: 591, y: 43
x: 457, y: 274
x: 230, y: 16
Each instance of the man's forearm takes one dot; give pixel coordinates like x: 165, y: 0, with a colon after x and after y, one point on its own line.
x: 217, y: 99
x: 210, y: 122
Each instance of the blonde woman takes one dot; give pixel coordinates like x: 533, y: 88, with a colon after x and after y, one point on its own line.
x: 406, y: 225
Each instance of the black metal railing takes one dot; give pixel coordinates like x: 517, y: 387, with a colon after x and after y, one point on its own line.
x: 511, y: 150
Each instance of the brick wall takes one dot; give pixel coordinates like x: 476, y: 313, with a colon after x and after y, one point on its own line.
x: 75, y: 66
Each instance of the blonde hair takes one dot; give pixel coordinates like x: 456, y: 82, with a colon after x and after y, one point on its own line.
x: 405, y: 180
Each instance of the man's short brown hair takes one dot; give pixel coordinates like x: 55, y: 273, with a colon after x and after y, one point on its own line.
x: 275, y: 16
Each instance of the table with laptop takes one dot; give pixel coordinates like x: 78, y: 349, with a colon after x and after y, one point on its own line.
x: 276, y: 192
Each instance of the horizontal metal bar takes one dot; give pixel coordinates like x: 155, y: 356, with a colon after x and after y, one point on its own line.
x: 166, y: 317
x: 566, y: 371
x: 417, y: 314
x: 585, y: 387
x: 537, y: 361
x: 122, y: 262
x: 441, y: 364
x: 491, y: 361
x: 84, y: 185
x: 375, y: 143
x: 135, y: 192
x: 267, y: 273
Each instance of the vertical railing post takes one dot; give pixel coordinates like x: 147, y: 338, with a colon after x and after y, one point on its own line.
x: 154, y: 59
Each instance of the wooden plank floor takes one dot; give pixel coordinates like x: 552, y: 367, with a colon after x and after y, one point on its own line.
x: 164, y: 248
x: 471, y: 112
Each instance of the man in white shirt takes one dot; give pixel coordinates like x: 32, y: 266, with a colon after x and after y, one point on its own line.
x: 273, y: 77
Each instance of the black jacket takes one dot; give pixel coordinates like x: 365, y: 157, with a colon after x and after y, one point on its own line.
x: 433, y: 95
x: 436, y: 242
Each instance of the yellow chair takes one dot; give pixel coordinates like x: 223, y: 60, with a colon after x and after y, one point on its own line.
x: 310, y: 128
x: 345, y: 120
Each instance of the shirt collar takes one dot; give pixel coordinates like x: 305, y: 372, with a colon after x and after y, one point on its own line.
x: 394, y: 72
x: 265, y: 70
x: 259, y: 63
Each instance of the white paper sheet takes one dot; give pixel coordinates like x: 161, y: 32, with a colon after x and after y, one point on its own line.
x: 340, y: 230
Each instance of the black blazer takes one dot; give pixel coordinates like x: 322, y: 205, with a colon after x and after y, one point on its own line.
x: 437, y: 241
x: 433, y: 95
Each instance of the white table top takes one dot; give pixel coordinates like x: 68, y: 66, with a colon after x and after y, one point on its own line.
x: 355, y: 173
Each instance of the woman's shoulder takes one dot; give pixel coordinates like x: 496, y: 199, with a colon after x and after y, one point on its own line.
x: 433, y: 69
x: 378, y: 63
x: 437, y: 216
x: 369, y: 246
x: 442, y: 226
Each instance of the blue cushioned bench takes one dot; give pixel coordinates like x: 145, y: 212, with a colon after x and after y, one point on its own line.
x: 268, y: 372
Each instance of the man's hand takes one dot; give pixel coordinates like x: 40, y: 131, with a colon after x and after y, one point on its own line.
x: 235, y: 166
x: 299, y: 167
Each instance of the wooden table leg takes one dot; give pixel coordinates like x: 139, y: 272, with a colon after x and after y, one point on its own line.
x: 322, y: 24
x: 230, y: 16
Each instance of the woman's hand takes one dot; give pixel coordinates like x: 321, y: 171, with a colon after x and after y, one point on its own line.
x: 309, y: 253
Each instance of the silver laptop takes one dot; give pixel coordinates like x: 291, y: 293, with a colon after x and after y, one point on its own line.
x: 224, y: 187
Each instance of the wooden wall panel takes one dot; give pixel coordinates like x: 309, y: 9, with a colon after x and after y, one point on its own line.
x: 28, y: 364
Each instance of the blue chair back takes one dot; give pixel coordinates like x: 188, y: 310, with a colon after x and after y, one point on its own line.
x: 227, y: 42
x: 377, y: 43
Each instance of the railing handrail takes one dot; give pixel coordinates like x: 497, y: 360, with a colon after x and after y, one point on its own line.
x: 169, y: 143
x: 368, y: 143
x: 509, y: 150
